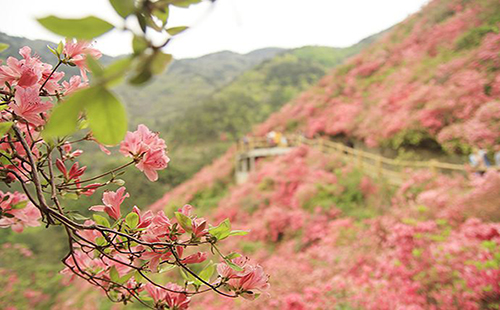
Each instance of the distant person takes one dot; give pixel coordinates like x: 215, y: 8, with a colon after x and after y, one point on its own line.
x: 284, y: 141
x: 246, y: 141
x: 277, y: 138
x: 497, y: 156
x: 479, y: 161
x: 271, y: 136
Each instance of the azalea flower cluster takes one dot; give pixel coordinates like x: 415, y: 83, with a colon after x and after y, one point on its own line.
x: 156, y: 244
x: 148, y: 149
x: 17, y: 212
x: 114, y: 251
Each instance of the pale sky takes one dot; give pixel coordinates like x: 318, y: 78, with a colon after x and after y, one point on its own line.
x: 236, y: 25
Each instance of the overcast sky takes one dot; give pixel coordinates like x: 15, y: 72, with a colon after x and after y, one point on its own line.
x: 235, y: 25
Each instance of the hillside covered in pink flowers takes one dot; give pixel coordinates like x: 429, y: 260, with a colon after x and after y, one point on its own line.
x: 332, y: 238
x: 433, y: 79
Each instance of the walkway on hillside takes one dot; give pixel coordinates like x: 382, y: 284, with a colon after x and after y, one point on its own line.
x: 377, y: 166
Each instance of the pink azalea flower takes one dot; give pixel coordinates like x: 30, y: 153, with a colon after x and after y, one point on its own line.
x: 89, y: 234
x: 148, y: 148
x: 90, y: 189
x: 173, y: 300
x: 145, y: 219
x: 155, y: 258
x: 77, y: 51
x: 112, y: 202
x: 199, y: 226
x: 141, y: 141
x: 27, y: 216
x: 159, y: 227
x: 186, y: 210
x: 29, y: 105
x: 25, y: 72
x: 176, y: 300
x: 153, y: 161
x: 195, y: 258
x: 227, y: 272
x: 75, y: 83
x: 255, y: 279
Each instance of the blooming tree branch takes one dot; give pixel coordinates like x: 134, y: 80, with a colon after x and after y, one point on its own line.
x: 119, y: 253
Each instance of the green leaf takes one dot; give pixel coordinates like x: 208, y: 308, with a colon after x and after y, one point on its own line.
x: 233, y: 265
x: 232, y: 255
x: 207, y: 272
x: 139, y: 44
x: 166, y: 267
x: 142, y: 22
x: 142, y: 76
x: 20, y: 205
x: 114, y: 73
x: 53, y: 51
x: 64, y: 117
x: 3, y: 47
x: 60, y: 48
x: 160, y: 62
x: 132, y: 220
x: 184, y: 221
x: 78, y: 217
x: 4, y: 158
x: 101, y: 220
x: 162, y: 15
x: 118, y: 67
x: 84, y: 28
x: 221, y: 231
x: 176, y: 30
x: 94, y: 66
x: 101, y: 241
x: 187, y: 276
x: 238, y: 232
x: 138, y: 277
x: 114, y: 275
x: 5, y: 127
x: 123, y: 7
x: 107, y: 117
x: 183, y: 3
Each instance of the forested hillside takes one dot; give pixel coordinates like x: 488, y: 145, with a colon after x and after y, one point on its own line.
x: 186, y: 84
x: 336, y: 239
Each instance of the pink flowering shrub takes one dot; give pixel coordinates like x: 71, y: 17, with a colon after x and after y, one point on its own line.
x: 119, y: 253
x: 422, y: 248
x: 418, y: 83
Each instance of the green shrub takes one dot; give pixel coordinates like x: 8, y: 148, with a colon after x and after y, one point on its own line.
x: 473, y: 37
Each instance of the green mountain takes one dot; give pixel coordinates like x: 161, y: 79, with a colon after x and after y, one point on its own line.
x: 186, y: 84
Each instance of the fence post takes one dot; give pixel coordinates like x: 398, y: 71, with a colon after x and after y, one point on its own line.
x: 433, y: 165
x: 321, y: 143
x: 359, y: 159
x: 379, y: 167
